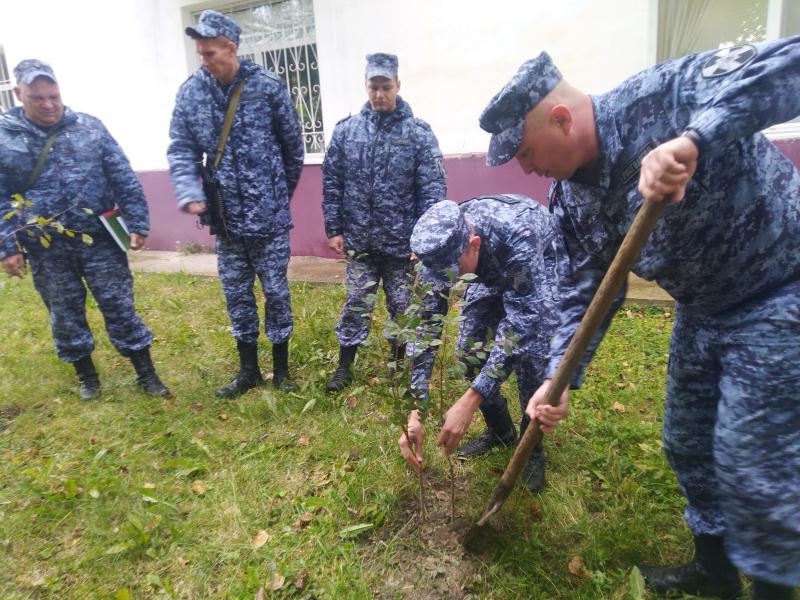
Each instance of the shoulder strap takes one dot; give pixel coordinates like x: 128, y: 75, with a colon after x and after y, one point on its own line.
x: 226, y: 127
x: 37, y: 170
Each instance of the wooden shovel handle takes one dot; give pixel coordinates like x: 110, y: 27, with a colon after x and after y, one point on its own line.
x: 615, y: 277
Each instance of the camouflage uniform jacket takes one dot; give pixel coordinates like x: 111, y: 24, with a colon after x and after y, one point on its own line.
x: 85, y: 168
x: 736, y: 234
x: 519, y: 257
x: 263, y: 156
x: 382, y: 171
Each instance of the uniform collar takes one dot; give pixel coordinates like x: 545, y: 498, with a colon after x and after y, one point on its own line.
x: 609, y: 148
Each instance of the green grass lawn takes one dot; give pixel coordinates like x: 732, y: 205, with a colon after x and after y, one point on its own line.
x: 304, y: 495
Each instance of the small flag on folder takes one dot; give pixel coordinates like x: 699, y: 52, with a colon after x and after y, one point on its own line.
x: 116, y: 226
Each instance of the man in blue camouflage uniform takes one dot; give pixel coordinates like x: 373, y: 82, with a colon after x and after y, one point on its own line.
x: 382, y: 170
x: 258, y: 173
x: 84, y: 169
x: 509, y: 242
x: 726, y: 249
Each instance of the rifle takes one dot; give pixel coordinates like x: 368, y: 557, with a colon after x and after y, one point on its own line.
x: 214, y: 216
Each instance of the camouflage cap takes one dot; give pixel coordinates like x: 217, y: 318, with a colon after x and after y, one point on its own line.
x: 381, y: 64
x: 440, y: 237
x: 214, y: 24
x: 28, y: 70
x: 504, y: 116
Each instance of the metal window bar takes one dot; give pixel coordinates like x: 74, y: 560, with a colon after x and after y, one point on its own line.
x: 298, y: 67
x: 6, y: 86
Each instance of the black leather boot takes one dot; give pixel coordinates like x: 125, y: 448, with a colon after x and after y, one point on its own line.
x: 280, y: 367
x: 249, y: 375
x: 500, y: 432
x: 764, y: 590
x: 710, y: 572
x: 343, y: 375
x: 146, y: 375
x: 88, y: 380
x: 533, y: 472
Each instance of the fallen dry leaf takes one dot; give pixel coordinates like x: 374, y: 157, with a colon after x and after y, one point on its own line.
x: 148, y: 485
x: 352, y: 511
x: 576, y: 567
x: 619, y: 407
x: 222, y: 417
x: 301, y: 580
x: 352, y: 401
x: 261, y: 594
x: 306, y: 517
x: 277, y: 582
x: 197, y: 407
x: 375, y: 381
x: 303, y: 441
x: 198, y: 487
x: 261, y: 538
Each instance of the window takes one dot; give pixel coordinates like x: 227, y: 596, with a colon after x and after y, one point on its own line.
x: 6, y: 86
x: 688, y: 26
x: 280, y: 36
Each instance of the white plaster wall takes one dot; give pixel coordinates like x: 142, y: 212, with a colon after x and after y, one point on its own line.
x: 123, y: 60
x: 456, y: 54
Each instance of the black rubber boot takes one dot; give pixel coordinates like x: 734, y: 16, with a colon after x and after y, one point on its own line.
x: 500, y: 432
x: 343, y: 375
x: 397, y: 354
x: 146, y: 375
x: 249, y: 375
x: 710, y: 572
x: 764, y: 590
x: 87, y: 378
x: 533, y: 472
x: 280, y: 367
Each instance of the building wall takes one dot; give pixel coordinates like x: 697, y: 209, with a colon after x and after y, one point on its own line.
x: 124, y: 60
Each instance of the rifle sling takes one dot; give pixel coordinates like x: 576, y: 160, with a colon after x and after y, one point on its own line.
x: 37, y: 170
x: 226, y: 127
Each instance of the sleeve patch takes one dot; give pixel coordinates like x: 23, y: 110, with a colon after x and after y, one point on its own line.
x: 728, y: 60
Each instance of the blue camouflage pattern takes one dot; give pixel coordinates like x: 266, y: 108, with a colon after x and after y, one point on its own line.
x: 214, y: 24
x: 263, y: 157
x: 85, y: 169
x: 382, y: 171
x: 381, y: 64
x: 361, y: 283
x: 519, y: 260
x: 504, y: 116
x: 29, y: 69
x: 239, y: 260
x: 724, y: 253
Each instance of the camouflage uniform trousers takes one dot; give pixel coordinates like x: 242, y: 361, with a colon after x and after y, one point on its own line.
x: 59, y: 273
x: 395, y: 273
x: 240, y: 259
x: 732, y: 430
x: 483, y: 312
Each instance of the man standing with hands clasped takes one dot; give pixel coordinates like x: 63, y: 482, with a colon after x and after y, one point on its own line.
x: 80, y: 166
x: 382, y: 170
x: 258, y: 172
x: 726, y: 248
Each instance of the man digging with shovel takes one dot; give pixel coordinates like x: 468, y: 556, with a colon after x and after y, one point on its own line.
x: 685, y: 134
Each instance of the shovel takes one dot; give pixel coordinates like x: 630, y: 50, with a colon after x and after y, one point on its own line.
x: 617, y: 273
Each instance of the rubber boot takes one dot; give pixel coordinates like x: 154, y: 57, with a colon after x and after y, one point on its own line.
x: 343, y: 375
x: 709, y: 573
x: 764, y: 590
x: 146, y: 375
x: 397, y: 354
x: 280, y: 367
x: 533, y: 472
x: 88, y: 380
x: 500, y: 432
x: 249, y: 375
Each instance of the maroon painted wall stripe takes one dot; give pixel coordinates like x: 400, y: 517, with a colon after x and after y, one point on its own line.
x: 467, y: 176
